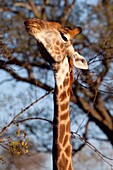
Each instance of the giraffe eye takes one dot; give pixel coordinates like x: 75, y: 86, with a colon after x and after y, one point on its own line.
x: 63, y: 36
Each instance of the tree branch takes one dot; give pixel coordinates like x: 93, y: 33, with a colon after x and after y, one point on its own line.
x: 14, y: 119
x: 102, y: 156
x: 30, y: 80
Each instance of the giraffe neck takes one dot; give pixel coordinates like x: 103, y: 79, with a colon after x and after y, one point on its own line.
x: 62, y: 149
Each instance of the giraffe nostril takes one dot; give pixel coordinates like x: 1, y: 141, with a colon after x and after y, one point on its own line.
x: 82, y: 60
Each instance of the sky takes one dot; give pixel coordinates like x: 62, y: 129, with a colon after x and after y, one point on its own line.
x: 89, y: 1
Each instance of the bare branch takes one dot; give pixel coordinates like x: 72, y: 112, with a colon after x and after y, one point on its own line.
x: 66, y: 11
x: 30, y: 80
x: 86, y: 115
x: 24, y: 5
x: 13, y: 120
x: 32, y: 118
x: 102, y: 156
x: 34, y: 8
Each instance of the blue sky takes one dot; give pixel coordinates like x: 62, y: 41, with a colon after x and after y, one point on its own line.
x: 89, y: 1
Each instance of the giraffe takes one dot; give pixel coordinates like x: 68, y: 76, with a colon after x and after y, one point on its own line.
x: 55, y: 45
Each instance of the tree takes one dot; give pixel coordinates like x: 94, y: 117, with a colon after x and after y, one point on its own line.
x: 92, y: 89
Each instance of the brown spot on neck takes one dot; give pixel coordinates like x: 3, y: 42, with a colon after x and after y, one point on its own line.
x: 62, y: 131
x: 64, y: 106
x: 64, y: 116
x: 68, y: 127
x: 66, y: 82
x: 62, y: 96
x: 67, y: 151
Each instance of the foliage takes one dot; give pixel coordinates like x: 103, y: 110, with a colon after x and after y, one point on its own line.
x: 16, y: 145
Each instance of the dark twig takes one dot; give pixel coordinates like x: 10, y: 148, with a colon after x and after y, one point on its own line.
x: 13, y: 120
x: 87, y: 113
x: 102, y: 156
x: 33, y: 118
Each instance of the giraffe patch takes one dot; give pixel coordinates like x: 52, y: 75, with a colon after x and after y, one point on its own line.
x: 64, y: 106
x: 62, y: 96
x: 64, y: 116
x: 62, y: 130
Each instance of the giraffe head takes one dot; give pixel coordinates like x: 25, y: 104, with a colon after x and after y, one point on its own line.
x: 56, y: 41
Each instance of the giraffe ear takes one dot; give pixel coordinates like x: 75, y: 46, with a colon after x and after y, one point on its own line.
x: 80, y: 62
